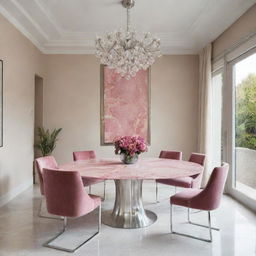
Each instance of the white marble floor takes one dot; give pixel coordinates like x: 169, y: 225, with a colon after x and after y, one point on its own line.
x: 23, y: 233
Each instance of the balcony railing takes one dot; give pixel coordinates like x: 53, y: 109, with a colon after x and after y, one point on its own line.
x: 246, y: 170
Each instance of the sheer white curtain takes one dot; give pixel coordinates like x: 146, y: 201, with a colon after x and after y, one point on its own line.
x: 205, y: 118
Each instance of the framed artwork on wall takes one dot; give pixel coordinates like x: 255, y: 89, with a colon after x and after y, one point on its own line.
x: 125, y: 105
x: 1, y: 103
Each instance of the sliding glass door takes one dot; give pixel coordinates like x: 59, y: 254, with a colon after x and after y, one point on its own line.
x: 242, y: 143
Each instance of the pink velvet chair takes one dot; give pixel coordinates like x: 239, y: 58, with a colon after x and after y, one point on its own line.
x: 176, y: 155
x: 171, y: 155
x: 85, y: 155
x: 40, y: 163
x: 187, y: 182
x: 65, y: 196
x: 207, y: 199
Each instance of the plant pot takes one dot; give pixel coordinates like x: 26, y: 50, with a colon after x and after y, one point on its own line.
x: 127, y: 159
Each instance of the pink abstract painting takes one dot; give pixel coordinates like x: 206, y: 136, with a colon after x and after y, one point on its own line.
x: 125, y: 106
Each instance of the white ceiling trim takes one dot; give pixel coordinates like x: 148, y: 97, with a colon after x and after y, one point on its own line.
x: 21, y: 28
x: 32, y: 21
x: 51, y: 38
x: 49, y: 16
x: 79, y: 46
x: 91, y: 50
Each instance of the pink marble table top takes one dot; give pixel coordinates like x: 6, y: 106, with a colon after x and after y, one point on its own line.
x: 145, y: 168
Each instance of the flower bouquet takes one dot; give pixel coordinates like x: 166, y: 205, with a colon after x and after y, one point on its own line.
x: 129, y: 147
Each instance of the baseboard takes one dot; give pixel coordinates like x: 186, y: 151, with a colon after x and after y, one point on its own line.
x: 14, y: 192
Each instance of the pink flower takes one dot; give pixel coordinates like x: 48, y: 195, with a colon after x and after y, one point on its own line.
x: 130, y: 145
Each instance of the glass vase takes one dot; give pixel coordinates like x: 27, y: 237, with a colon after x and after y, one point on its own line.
x: 127, y: 159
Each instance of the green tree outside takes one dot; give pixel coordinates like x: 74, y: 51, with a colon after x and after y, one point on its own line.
x: 246, y: 113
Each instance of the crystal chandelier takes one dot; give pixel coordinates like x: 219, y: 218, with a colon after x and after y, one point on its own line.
x: 125, y: 50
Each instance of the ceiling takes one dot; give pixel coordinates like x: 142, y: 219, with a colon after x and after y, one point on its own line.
x: 65, y: 26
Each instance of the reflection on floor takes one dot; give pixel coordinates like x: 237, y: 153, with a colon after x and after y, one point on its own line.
x: 23, y: 233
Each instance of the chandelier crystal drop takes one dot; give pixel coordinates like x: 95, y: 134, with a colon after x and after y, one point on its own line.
x: 126, y: 51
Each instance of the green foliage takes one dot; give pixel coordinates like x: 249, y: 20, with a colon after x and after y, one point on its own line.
x: 47, y: 140
x: 246, y: 113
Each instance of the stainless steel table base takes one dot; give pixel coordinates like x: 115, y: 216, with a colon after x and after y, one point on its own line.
x: 128, y: 210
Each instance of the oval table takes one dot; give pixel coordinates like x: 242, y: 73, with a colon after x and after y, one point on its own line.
x: 128, y: 211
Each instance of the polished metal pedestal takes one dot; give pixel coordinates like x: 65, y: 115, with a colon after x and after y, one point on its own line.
x: 128, y: 210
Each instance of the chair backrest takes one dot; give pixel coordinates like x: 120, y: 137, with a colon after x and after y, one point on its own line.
x: 65, y: 194
x: 44, y: 162
x: 84, y: 155
x: 171, y: 155
x: 197, y: 158
x: 210, y: 197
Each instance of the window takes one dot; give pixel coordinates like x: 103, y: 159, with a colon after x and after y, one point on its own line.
x: 244, y: 149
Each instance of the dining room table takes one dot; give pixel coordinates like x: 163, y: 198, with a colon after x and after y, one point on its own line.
x: 128, y: 210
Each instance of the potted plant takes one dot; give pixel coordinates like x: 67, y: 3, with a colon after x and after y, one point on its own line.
x: 47, y: 140
x: 129, y: 147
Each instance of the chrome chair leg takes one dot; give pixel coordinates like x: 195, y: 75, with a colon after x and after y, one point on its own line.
x: 99, y: 219
x: 64, y: 227
x: 190, y: 236
x: 40, y: 215
x: 197, y: 224
x: 210, y: 225
x: 47, y: 244
x: 104, y: 193
x: 171, y: 218
x: 156, y: 192
x: 104, y: 197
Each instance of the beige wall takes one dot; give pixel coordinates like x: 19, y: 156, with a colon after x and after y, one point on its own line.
x: 72, y: 101
x: 245, y: 25
x: 22, y: 61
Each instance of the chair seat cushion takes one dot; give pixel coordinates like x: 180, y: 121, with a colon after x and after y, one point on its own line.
x: 185, y: 182
x: 184, y: 198
x: 88, y: 182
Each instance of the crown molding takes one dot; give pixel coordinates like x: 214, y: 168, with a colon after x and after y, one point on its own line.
x: 22, y: 29
x: 31, y: 20
x: 52, y: 20
x: 91, y: 50
x: 47, y: 34
x: 81, y: 46
x: 75, y: 42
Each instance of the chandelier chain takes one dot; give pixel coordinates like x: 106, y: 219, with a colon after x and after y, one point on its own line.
x: 128, y: 19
